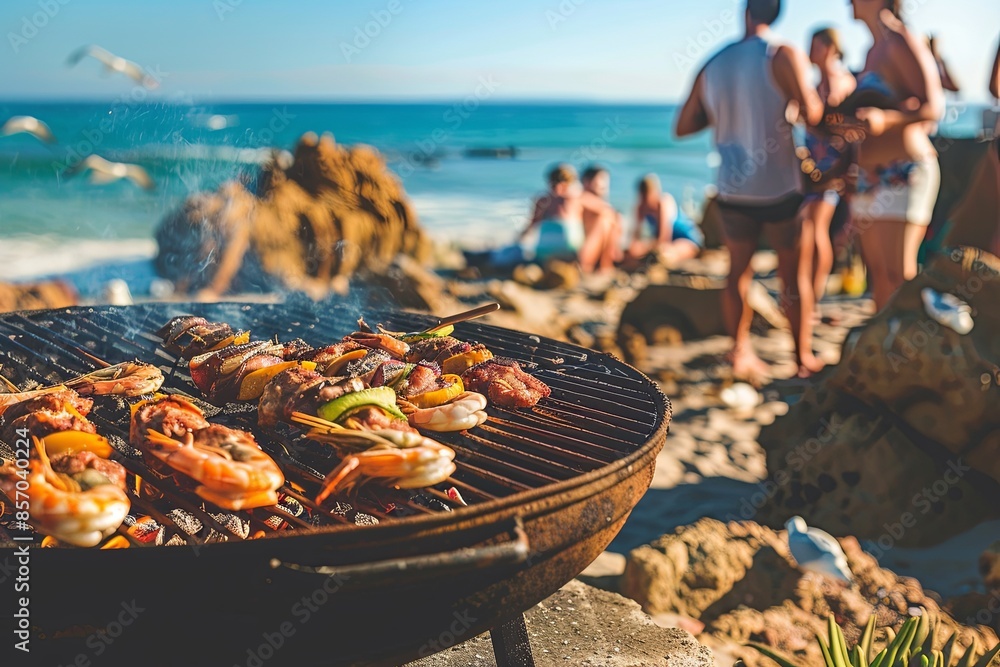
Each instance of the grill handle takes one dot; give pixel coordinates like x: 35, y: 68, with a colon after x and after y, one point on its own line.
x: 513, y: 552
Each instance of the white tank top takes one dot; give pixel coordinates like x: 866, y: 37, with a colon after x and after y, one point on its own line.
x: 752, y: 136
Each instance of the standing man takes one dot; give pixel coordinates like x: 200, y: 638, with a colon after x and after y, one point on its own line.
x: 747, y: 93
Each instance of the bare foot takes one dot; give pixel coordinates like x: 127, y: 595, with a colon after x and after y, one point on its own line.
x: 749, y: 368
x: 809, y: 365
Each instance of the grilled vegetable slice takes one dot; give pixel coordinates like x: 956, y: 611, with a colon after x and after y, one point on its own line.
x: 381, y: 397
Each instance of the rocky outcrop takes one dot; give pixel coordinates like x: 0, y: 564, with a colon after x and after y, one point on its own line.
x: 900, y: 443
x: 311, y: 223
x: 36, y: 295
x: 687, y: 308
x: 739, y: 579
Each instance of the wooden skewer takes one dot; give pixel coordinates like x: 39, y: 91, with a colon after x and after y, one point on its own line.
x: 464, y: 316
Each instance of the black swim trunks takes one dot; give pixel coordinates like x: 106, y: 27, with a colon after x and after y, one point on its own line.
x: 744, y: 222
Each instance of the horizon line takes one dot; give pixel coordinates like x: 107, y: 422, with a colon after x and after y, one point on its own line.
x: 428, y: 101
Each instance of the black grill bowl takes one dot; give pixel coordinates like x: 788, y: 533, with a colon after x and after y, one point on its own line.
x: 562, y: 479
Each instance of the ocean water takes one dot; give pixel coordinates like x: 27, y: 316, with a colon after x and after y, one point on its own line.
x: 51, y: 223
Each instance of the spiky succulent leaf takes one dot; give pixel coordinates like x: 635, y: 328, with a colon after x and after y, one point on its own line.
x: 773, y: 655
x: 868, y: 639
x: 970, y: 654
x: 988, y: 657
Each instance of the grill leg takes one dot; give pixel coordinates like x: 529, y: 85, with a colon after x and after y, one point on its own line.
x: 511, y: 647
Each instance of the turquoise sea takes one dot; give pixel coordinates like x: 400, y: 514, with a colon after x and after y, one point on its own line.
x: 52, y: 224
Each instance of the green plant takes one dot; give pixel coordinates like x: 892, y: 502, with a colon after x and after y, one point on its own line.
x: 912, y: 646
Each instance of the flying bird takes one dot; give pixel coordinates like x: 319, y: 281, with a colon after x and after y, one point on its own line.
x: 817, y: 551
x: 103, y: 171
x: 113, y: 63
x: 28, y: 125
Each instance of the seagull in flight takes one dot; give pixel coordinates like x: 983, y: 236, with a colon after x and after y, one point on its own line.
x: 113, y: 63
x: 815, y: 550
x: 103, y: 171
x: 28, y: 125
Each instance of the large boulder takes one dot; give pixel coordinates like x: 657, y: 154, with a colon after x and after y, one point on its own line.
x: 36, y: 295
x: 309, y: 222
x: 740, y: 580
x: 899, y: 443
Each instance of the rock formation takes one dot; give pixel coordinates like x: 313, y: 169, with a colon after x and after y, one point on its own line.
x: 35, y: 295
x: 900, y: 443
x: 739, y: 579
x: 310, y: 223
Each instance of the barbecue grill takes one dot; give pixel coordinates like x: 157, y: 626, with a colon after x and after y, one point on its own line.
x: 385, y: 577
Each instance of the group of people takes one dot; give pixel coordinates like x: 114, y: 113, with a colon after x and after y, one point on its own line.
x: 795, y: 157
x: 867, y: 147
x: 573, y: 220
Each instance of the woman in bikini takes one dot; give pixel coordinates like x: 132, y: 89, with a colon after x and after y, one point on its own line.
x: 557, y: 220
x: 826, y: 161
x: 661, y: 228
x: 898, y: 176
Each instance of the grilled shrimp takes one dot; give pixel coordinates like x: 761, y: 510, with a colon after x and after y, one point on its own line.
x: 131, y: 378
x: 232, y: 471
x: 401, y: 459
x: 467, y: 410
x: 13, y: 398
x: 59, y: 506
x: 395, y: 347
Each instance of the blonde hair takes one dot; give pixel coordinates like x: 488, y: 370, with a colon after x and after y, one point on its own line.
x: 648, y: 183
x: 830, y: 37
x: 561, y: 173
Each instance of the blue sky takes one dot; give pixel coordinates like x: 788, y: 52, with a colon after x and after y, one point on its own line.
x: 603, y: 50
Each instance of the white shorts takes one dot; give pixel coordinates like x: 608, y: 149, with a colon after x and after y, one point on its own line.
x: 905, y: 191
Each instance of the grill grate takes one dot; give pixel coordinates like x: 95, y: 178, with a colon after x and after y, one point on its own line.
x: 598, y: 413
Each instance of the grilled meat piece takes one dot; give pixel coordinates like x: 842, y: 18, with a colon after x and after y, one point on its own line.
x: 324, y: 355
x: 54, y: 402
x: 295, y: 349
x: 170, y: 416
x: 423, y: 378
x: 505, y: 384
x: 75, y: 464
x: 63, y: 410
x: 372, y: 418
x: 436, y: 349
x: 207, y: 370
x: 198, y: 339
x: 41, y: 423
x: 299, y: 390
x: 172, y: 330
x: 227, y: 387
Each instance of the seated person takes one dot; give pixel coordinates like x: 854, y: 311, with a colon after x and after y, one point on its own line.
x: 661, y: 229
x: 558, y: 221
x: 602, y: 219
